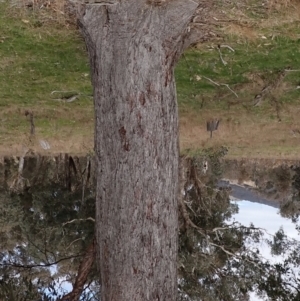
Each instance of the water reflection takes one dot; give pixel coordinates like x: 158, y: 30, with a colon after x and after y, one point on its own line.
x: 47, y: 217
x: 46, y: 220
x: 265, y: 217
x: 268, y: 218
x: 243, y: 193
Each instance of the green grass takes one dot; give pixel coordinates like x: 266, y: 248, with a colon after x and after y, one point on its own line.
x: 37, y: 58
x: 264, y: 61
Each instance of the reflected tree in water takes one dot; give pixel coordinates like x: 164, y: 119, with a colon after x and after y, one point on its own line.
x: 47, y: 235
x: 47, y: 220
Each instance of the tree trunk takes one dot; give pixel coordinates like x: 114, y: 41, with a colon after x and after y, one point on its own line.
x: 133, y: 46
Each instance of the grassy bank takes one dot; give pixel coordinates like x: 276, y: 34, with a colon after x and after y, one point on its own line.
x: 44, y: 69
x: 42, y: 64
x: 250, y: 82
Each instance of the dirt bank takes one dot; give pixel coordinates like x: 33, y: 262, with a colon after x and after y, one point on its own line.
x: 262, y: 180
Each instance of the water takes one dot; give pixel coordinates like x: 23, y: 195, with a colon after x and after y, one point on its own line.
x: 265, y: 217
x: 268, y: 218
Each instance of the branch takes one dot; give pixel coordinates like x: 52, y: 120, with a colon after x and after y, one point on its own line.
x: 79, y: 219
x: 229, y: 227
x: 73, y: 242
x: 238, y: 256
x: 217, y: 84
x: 187, y: 219
x: 83, y: 272
x: 53, y: 92
x: 227, y: 46
x: 221, y: 57
x: 101, y: 2
x: 291, y: 70
x: 30, y: 266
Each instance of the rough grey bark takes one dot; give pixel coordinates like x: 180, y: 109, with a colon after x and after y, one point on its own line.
x: 133, y: 46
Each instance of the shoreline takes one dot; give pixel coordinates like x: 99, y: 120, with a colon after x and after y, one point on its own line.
x: 246, y: 193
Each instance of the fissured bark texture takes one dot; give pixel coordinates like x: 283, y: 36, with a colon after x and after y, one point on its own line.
x: 133, y: 46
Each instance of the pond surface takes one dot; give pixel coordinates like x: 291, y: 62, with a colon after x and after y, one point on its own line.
x: 266, y: 217
x: 47, y: 210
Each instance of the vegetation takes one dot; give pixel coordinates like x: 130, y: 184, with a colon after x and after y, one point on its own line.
x: 42, y: 53
x: 43, y: 65
x: 47, y: 212
x: 47, y: 221
x: 242, y: 77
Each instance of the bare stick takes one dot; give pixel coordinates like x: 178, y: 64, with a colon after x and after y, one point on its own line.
x: 221, y: 57
x: 291, y: 70
x: 79, y: 220
x: 217, y: 84
x: 227, y: 46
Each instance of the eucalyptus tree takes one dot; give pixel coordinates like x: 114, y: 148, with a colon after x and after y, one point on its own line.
x: 133, y: 47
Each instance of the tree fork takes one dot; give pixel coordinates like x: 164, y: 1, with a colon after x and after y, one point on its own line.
x: 133, y: 46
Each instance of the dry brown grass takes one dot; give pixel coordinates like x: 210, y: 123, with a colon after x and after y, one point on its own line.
x: 280, y: 4
x: 242, y: 31
x: 75, y: 144
x: 48, y: 11
x: 66, y: 129
x: 272, y: 15
x: 249, y: 132
x: 244, y: 134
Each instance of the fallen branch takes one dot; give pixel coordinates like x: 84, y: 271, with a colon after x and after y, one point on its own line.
x: 73, y: 242
x: 32, y: 126
x: 221, y: 57
x: 74, y: 92
x: 68, y: 96
x: 79, y: 220
x: 227, y: 46
x: 220, y: 84
x: 291, y: 70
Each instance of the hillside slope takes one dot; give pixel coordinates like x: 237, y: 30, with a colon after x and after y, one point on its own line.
x: 245, y: 72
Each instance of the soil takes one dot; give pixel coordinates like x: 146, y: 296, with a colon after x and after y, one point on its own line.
x: 74, y: 144
x: 267, y: 181
x: 244, y: 192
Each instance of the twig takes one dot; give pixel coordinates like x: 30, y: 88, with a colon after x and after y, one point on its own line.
x: 85, y: 179
x: 224, y: 228
x: 32, y: 126
x: 30, y: 266
x: 221, y: 57
x: 79, y: 219
x: 223, y: 249
x: 237, y: 256
x: 63, y: 92
x: 73, y: 242
x: 229, y: 227
x: 227, y: 46
x: 291, y: 70
x: 215, y: 83
x: 221, y: 84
